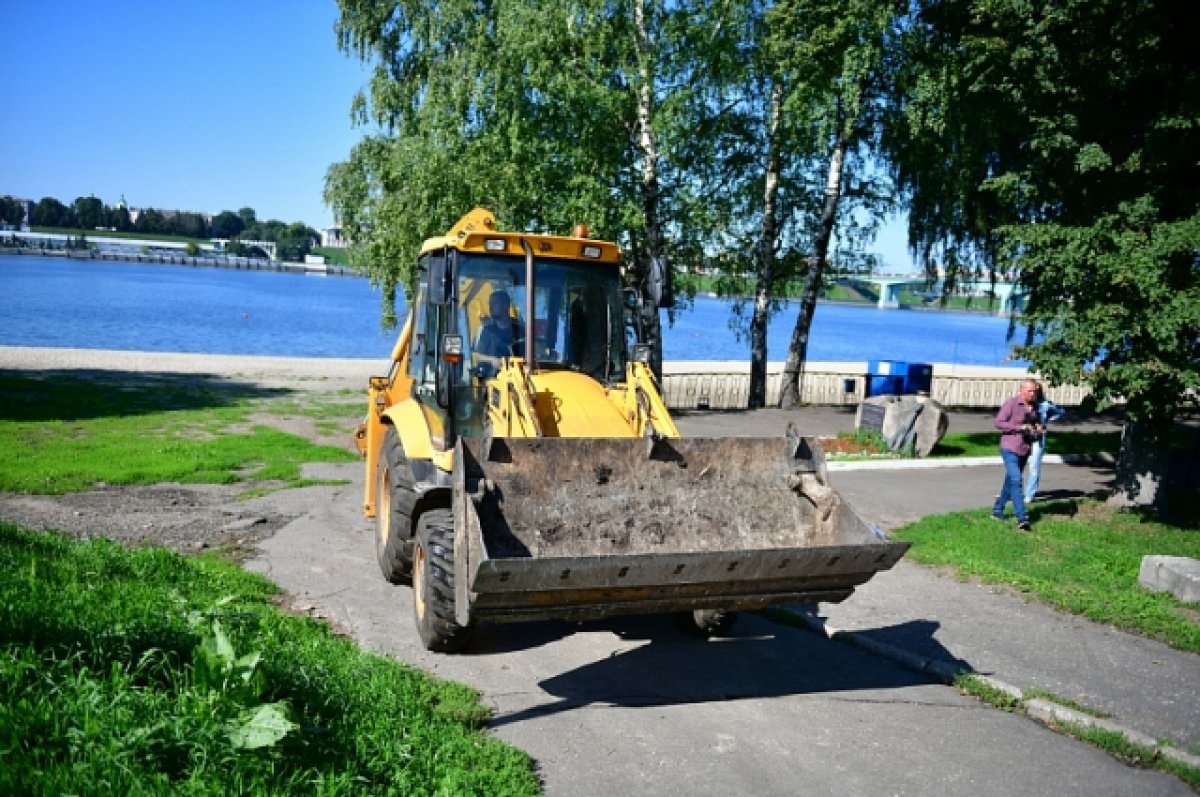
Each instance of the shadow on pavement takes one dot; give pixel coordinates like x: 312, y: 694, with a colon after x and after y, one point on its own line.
x: 760, y: 659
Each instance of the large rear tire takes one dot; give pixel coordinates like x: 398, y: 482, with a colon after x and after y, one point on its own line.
x: 393, y: 531
x: 433, y: 584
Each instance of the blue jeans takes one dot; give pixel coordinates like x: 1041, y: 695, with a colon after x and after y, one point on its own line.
x: 1036, y: 450
x: 1014, y: 464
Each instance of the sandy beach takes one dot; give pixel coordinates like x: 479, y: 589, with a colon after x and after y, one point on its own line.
x: 317, y: 373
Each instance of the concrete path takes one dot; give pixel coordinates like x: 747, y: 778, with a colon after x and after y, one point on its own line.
x: 632, y: 705
x: 1143, y: 685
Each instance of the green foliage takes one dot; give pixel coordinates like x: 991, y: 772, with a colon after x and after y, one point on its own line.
x: 545, y: 124
x: 1081, y: 558
x: 239, y: 681
x: 12, y: 211
x: 227, y: 224
x: 1058, y: 146
x: 120, y: 673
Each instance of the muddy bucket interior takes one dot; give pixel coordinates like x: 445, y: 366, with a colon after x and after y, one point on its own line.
x: 569, y: 527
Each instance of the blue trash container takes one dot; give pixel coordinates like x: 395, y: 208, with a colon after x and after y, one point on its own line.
x: 886, y: 377
x: 918, y: 378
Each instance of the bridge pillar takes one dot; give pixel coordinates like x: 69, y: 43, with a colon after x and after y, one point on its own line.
x: 1011, y: 300
x: 889, y: 295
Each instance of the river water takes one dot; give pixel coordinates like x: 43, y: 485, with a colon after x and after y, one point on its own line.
x: 66, y: 303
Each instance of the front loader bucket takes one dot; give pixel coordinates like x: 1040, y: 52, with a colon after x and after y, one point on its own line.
x: 585, y: 528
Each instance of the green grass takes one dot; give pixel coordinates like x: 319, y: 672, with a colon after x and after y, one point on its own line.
x: 334, y: 255
x: 986, y: 444
x: 1082, y: 558
x: 145, y: 672
x: 975, y: 444
x: 65, y: 434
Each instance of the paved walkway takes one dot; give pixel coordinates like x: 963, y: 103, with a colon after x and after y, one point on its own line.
x: 930, y: 621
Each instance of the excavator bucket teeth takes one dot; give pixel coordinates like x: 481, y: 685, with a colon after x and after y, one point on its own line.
x: 585, y: 528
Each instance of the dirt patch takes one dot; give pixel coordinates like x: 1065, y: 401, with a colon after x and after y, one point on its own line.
x: 185, y: 518
x: 322, y: 433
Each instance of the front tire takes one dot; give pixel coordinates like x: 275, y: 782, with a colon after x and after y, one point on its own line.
x: 393, y: 536
x: 433, y: 584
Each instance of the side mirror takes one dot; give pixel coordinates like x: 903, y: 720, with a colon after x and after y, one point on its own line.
x: 441, y: 278
x: 658, y: 283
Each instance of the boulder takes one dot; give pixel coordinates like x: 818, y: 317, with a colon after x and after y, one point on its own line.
x: 918, y: 421
x: 1177, y: 575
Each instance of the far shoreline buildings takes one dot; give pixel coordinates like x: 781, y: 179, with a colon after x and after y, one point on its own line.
x: 331, y: 237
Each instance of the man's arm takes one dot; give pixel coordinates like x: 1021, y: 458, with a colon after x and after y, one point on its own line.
x: 1054, y: 412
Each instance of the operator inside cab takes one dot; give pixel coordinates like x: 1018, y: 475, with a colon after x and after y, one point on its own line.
x: 495, y: 337
x: 589, y: 333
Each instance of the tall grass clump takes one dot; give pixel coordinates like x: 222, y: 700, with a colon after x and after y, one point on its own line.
x: 145, y: 672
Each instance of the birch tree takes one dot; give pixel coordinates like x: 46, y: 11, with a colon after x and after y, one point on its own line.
x: 541, y: 110
x: 837, y: 53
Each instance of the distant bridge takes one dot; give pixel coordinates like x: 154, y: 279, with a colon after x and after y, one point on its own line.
x: 1010, y: 296
x: 888, y: 286
x: 220, y: 245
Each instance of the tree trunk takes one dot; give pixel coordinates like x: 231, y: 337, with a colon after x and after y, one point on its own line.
x: 765, y: 287
x: 791, y: 389
x: 648, y: 156
x: 1142, y: 467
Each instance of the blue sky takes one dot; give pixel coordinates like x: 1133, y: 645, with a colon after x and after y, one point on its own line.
x: 202, y: 106
x: 198, y: 106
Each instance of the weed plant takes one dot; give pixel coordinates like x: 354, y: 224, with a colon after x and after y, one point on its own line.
x: 144, y: 672
x: 1082, y: 557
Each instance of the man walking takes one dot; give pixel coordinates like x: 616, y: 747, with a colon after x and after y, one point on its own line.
x: 1019, y: 425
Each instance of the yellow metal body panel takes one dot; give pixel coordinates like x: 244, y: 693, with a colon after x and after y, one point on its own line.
x: 571, y: 404
x: 599, y: 510
x: 478, y: 226
x: 510, y: 409
x: 641, y: 403
x: 410, y: 422
x: 547, y: 403
x: 383, y: 392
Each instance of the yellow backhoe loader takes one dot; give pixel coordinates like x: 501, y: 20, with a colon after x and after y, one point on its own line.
x: 521, y: 463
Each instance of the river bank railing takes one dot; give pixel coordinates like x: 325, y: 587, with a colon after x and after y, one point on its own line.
x: 726, y: 385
